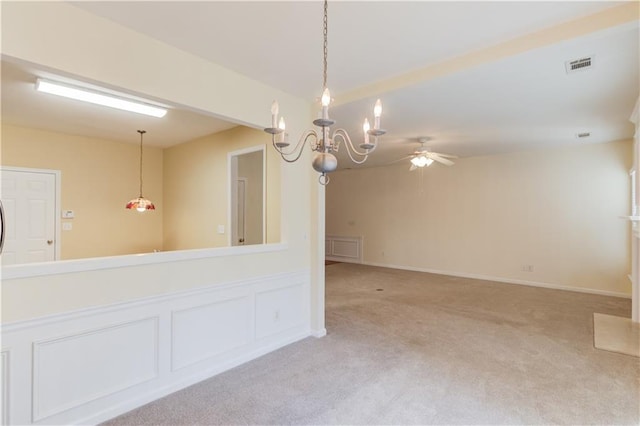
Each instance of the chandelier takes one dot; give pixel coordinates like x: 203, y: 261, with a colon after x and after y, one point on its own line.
x: 141, y: 204
x: 322, y: 142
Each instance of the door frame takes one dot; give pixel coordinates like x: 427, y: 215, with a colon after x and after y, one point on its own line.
x: 236, y: 201
x: 57, y: 174
x: 232, y: 176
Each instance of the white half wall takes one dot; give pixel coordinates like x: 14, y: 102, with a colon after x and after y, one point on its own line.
x: 87, y: 366
x: 550, y: 217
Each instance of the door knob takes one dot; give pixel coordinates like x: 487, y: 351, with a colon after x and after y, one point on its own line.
x: 241, y: 240
x: 49, y: 242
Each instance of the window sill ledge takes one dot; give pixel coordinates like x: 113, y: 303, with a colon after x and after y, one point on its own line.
x: 28, y: 270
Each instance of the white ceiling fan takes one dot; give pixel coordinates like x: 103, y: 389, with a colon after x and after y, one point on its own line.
x: 422, y: 157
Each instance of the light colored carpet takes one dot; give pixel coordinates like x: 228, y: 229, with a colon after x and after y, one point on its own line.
x: 415, y: 348
x: 616, y: 334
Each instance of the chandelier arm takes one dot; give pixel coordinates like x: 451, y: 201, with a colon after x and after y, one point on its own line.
x: 342, y: 134
x: 299, y: 146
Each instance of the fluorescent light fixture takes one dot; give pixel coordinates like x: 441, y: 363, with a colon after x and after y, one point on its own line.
x: 97, y: 98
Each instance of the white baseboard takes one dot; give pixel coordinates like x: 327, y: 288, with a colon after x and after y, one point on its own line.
x: 168, y: 389
x: 319, y: 333
x: 501, y: 279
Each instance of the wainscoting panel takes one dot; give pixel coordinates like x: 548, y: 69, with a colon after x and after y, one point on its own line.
x: 85, y: 367
x: 279, y: 310
x: 228, y: 326
x: 65, y: 373
x: 343, y: 249
x: 4, y: 387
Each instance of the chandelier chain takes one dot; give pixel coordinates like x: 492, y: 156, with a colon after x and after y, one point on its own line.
x: 325, y: 49
x: 142, y: 132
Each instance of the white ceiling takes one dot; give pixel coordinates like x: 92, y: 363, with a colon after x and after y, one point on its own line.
x: 521, y: 102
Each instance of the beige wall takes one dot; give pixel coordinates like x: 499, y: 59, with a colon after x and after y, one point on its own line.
x: 98, y: 178
x: 555, y: 209
x: 197, y: 170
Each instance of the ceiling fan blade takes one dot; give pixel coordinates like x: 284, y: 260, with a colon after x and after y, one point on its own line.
x: 399, y: 160
x: 439, y: 159
x: 445, y: 155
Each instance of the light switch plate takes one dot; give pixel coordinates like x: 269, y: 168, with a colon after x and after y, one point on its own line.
x: 220, y: 229
x: 67, y: 226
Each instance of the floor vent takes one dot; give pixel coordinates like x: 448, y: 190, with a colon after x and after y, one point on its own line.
x: 579, y: 64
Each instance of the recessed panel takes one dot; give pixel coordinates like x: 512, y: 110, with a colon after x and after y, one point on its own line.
x: 280, y: 309
x: 37, y: 219
x: 205, y: 331
x: 73, y: 370
x: 345, y: 248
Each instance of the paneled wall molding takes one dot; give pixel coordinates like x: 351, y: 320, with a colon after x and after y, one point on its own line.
x: 57, y: 361
x: 4, y: 386
x: 91, y: 365
x: 72, y: 315
x: 343, y: 249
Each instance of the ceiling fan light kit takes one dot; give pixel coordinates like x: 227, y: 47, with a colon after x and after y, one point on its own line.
x: 422, y: 157
x: 323, y: 142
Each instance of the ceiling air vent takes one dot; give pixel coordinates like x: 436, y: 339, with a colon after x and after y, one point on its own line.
x: 583, y: 135
x: 579, y: 64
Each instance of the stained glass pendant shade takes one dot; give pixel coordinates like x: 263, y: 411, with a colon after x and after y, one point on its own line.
x: 140, y: 203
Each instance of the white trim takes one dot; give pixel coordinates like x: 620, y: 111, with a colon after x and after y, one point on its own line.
x: 5, y: 357
x: 230, y: 177
x: 319, y: 333
x: 176, y: 313
x: 97, y: 263
x: 10, y: 327
x: 201, y: 375
x: 501, y: 280
x: 57, y: 175
x: 37, y: 345
x: 340, y: 258
x: 111, y: 399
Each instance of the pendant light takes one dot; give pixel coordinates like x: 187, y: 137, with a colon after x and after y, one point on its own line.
x: 141, y: 204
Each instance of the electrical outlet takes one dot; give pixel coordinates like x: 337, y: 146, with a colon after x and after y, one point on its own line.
x: 276, y: 315
x: 527, y: 268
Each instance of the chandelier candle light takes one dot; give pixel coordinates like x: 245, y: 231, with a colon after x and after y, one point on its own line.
x: 141, y: 204
x: 323, y: 143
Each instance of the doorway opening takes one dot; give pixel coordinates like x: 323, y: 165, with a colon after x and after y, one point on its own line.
x: 247, y: 177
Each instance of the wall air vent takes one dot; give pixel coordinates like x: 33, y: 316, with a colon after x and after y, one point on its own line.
x: 583, y: 135
x: 579, y: 64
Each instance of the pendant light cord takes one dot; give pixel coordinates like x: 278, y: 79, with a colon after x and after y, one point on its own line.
x: 142, y: 132
x: 325, y: 49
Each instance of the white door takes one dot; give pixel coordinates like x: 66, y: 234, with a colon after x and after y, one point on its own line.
x: 29, y: 200
x: 240, y: 210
